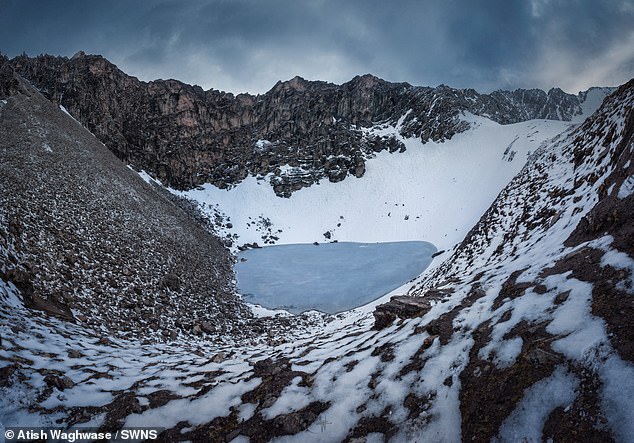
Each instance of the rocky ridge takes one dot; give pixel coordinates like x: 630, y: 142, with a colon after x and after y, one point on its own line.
x: 295, y: 134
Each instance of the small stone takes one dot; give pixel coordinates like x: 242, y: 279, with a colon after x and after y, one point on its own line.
x: 233, y: 434
x: 170, y: 281
x: 219, y: 357
x: 207, y: 327
x: 66, y: 382
x: 72, y: 353
x: 58, y: 382
x: 268, y: 401
x: 429, y: 341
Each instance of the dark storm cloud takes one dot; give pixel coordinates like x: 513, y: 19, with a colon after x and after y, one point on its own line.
x: 247, y: 45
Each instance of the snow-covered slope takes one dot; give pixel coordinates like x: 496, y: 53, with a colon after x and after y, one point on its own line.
x: 543, y: 289
x: 590, y: 101
x: 523, y: 334
x: 433, y: 191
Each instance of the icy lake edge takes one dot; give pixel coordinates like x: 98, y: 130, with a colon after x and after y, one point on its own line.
x: 330, y: 277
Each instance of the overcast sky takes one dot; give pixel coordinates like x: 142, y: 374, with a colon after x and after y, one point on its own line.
x: 247, y: 45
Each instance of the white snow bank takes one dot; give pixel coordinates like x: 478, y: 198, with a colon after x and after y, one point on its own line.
x: 434, y: 191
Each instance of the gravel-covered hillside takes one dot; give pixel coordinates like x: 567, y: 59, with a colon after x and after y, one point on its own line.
x: 92, y: 241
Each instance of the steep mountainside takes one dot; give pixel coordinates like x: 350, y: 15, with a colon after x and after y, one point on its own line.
x: 185, y: 136
x: 94, y: 243
x: 542, y: 289
x: 523, y: 334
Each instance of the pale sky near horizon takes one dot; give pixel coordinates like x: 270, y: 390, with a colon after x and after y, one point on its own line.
x: 248, y: 45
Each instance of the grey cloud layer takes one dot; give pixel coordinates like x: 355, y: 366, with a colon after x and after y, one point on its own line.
x: 247, y: 45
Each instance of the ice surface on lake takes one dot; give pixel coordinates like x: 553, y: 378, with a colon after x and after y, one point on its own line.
x: 331, y: 277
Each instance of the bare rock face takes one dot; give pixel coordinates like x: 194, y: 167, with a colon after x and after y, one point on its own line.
x: 8, y: 82
x: 185, y: 136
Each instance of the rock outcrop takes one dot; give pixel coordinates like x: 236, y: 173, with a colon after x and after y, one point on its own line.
x: 299, y: 132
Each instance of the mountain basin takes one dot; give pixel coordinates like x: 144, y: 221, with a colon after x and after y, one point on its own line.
x: 330, y: 277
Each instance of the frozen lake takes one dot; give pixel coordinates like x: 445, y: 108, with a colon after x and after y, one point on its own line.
x: 331, y: 277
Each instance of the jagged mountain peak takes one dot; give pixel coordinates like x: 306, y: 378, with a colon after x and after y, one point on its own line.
x: 556, y: 92
x: 296, y: 83
x: 186, y: 137
x: 366, y: 81
x: 300, y: 85
x: 78, y: 54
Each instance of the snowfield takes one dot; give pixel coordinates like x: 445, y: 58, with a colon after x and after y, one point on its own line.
x: 433, y: 192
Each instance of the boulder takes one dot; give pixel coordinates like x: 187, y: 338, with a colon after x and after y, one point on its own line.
x: 59, y: 382
x: 400, y: 306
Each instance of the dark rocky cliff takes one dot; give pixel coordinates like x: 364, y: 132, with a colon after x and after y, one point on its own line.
x: 186, y: 136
